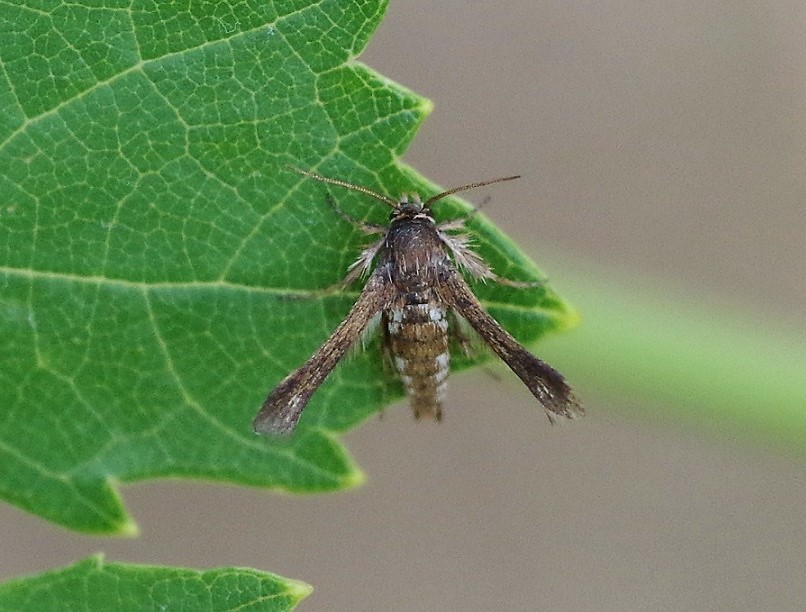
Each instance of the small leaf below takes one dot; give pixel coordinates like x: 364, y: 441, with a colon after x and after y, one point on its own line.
x: 92, y: 585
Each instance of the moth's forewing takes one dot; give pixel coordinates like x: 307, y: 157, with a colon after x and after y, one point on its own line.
x: 282, y: 408
x: 545, y: 383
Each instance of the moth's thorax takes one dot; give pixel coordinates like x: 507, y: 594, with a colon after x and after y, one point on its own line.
x: 415, y: 255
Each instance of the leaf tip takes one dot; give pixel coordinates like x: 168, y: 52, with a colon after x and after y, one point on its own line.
x: 354, y: 478
x: 127, y: 529
x: 297, y: 590
x: 570, y: 318
x: 426, y: 107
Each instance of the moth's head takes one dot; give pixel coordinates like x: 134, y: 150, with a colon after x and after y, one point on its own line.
x: 410, y: 206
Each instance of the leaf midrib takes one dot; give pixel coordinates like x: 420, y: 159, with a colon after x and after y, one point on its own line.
x: 301, y: 293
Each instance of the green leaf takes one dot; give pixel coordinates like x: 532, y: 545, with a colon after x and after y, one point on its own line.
x: 92, y: 584
x: 160, y: 267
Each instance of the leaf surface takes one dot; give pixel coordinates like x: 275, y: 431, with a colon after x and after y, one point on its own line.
x: 161, y: 269
x: 93, y: 584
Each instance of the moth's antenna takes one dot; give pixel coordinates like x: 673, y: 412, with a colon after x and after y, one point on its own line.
x: 439, y: 196
x: 345, y: 184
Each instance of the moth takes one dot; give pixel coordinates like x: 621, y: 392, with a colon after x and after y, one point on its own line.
x: 415, y: 286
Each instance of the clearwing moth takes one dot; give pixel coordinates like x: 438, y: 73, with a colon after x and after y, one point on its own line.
x: 414, y: 285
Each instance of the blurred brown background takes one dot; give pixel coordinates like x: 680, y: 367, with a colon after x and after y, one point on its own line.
x: 664, y: 141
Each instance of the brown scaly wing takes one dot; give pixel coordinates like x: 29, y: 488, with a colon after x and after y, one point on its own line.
x: 545, y: 383
x: 282, y: 408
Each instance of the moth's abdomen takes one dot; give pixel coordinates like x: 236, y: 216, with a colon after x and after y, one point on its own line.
x: 418, y: 335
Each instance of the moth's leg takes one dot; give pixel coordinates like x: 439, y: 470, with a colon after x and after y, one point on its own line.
x: 363, y: 265
x: 314, y: 294
x: 462, y: 334
x: 360, y: 267
x: 367, y: 228
x: 387, y: 356
x: 458, y: 330
x: 459, y: 222
x: 506, y: 282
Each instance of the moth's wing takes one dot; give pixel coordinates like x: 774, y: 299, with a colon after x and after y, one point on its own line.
x: 282, y: 408
x: 545, y: 383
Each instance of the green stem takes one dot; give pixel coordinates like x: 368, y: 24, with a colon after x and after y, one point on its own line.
x: 690, y: 361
